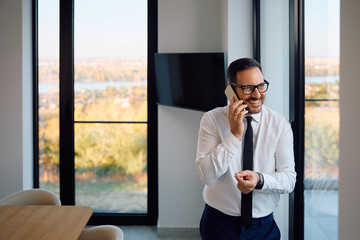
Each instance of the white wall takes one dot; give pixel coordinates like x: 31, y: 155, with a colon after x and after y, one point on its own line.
x: 239, y: 29
x: 349, y: 160
x: 180, y: 199
x: 189, y: 26
x: 15, y: 100
x: 184, y: 26
x: 27, y: 87
x: 274, y: 22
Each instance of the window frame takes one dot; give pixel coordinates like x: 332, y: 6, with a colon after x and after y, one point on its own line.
x: 66, y: 79
x: 297, y: 116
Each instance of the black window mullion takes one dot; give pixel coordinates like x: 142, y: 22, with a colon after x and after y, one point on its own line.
x: 152, y: 114
x: 256, y: 29
x: 67, y: 173
x: 35, y: 93
x: 297, y: 113
x: 117, y: 122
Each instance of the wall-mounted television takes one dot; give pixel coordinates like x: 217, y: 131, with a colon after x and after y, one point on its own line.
x: 190, y: 80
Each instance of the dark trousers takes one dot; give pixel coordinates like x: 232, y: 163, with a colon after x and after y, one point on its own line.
x: 215, y: 225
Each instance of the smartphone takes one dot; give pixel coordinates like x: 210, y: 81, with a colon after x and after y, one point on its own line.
x: 229, y: 92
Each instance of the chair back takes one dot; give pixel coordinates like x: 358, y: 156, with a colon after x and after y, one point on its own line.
x: 102, y: 232
x: 32, y: 197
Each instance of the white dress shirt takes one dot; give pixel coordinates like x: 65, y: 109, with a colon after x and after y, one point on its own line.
x: 219, y: 157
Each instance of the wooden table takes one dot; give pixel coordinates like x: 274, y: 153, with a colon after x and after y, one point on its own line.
x: 43, y: 222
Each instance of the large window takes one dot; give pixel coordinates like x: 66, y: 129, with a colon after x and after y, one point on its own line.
x: 321, y: 172
x: 111, y: 105
x: 94, y: 99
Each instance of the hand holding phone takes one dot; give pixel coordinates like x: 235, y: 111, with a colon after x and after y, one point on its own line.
x: 236, y: 112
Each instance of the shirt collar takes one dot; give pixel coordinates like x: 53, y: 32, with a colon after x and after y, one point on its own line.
x: 256, y: 116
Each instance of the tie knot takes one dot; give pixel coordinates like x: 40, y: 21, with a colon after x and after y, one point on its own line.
x: 249, y: 119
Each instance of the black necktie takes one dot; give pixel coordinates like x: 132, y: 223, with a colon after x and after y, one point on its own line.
x: 246, y: 199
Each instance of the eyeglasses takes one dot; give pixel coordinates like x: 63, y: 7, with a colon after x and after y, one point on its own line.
x: 249, y: 89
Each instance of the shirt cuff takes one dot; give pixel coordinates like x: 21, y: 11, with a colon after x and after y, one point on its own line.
x: 267, y: 180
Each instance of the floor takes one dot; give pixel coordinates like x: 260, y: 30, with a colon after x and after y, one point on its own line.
x: 321, y: 215
x: 152, y: 233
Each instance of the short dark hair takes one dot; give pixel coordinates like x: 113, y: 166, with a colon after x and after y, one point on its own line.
x: 239, y: 65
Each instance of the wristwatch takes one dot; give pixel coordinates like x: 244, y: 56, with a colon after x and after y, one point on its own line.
x: 261, y: 182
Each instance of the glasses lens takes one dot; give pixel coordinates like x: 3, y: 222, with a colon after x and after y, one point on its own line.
x: 262, y: 87
x: 248, y: 89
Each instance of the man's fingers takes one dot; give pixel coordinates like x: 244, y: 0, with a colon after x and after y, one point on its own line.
x: 240, y: 111
x: 246, y: 181
x: 244, y: 173
x: 239, y: 178
x: 236, y: 104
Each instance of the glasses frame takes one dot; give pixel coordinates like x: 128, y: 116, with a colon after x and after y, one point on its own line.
x: 252, y: 86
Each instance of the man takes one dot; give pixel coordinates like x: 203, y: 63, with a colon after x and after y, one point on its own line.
x: 220, y: 166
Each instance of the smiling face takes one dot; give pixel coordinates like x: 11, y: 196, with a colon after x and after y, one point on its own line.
x: 251, y: 76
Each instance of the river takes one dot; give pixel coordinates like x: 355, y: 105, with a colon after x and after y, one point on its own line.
x: 82, y: 86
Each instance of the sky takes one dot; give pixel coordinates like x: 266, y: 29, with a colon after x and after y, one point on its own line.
x: 107, y: 28
x: 118, y: 28
x: 322, y: 28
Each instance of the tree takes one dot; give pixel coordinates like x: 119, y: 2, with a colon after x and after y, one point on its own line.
x: 321, y: 148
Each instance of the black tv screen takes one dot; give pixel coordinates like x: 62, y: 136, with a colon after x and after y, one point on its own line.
x: 190, y: 80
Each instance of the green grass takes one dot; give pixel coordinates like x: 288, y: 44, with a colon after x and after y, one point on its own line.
x: 114, y: 197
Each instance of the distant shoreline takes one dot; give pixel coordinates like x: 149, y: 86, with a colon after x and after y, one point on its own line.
x: 83, y: 86
x: 321, y: 79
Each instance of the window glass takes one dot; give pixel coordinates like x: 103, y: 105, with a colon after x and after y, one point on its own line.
x: 110, y: 60
x: 322, y: 35
x: 111, y: 167
x: 110, y: 97
x: 48, y: 105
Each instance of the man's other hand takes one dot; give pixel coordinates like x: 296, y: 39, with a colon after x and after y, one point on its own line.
x: 247, y: 180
